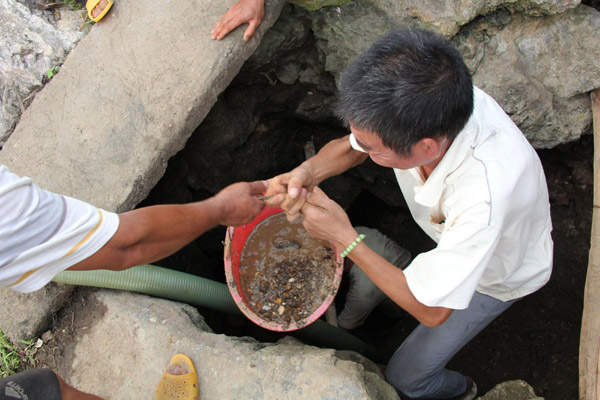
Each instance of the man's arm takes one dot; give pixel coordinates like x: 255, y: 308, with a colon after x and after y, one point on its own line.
x: 329, y: 221
x: 333, y: 159
x: 392, y: 282
x: 151, y: 233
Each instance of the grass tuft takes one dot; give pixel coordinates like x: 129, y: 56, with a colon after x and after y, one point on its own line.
x: 17, y: 357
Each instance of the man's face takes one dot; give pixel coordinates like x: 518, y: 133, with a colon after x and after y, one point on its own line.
x: 380, y: 154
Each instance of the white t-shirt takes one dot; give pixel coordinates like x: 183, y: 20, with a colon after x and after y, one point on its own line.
x: 43, y: 233
x: 486, y: 205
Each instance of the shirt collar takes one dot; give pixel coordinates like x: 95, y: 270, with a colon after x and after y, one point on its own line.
x: 463, y: 145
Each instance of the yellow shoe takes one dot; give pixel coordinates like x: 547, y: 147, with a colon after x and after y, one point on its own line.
x: 93, y: 3
x: 180, y: 387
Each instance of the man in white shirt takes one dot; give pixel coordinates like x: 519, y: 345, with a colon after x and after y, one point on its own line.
x: 44, y: 233
x: 471, y: 181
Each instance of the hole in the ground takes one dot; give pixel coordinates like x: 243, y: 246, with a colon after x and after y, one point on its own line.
x: 258, y: 129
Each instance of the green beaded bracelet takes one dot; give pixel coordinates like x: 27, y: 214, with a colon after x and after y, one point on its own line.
x: 353, y: 245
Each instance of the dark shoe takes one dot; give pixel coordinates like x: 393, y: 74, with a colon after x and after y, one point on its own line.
x: 470, y: 393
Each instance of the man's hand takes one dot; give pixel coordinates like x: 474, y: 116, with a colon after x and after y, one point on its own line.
x: 239, y: 203
x: 325, y: 219
x: 250, y: 11
x: 295, y: 185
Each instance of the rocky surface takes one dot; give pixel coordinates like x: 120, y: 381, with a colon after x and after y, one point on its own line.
x: 24, y: 316
x: 513, y: 390
x: 151, y: 331
x: 538, y: 67
x: 125, y: 100
x: 30, y: 44
x: 540, y: 70
x: 106, y: 138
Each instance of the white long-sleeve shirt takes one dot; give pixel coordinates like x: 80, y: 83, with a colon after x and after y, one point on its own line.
x: 486, y: 205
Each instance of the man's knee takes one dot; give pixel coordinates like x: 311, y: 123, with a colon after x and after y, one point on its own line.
x: 408, y: 379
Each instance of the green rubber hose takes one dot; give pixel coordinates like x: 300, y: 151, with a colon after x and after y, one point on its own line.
x: 202, y: 292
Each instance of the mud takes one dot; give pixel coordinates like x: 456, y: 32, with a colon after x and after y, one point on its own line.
x: 286, y: 274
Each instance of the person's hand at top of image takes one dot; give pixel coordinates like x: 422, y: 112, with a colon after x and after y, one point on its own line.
x: 289, y: 190
x: 250, y: 11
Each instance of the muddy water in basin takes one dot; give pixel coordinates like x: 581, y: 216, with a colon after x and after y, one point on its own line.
x: 285, y: 274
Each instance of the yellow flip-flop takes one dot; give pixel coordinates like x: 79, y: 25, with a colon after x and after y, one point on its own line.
x: 93, y: 3
x: 180, y: 387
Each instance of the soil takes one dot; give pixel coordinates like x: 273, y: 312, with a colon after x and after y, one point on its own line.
x: 59, y: 340
x: 285, y: 273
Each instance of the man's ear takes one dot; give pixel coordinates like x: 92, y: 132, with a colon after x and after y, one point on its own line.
x: 429, y: 147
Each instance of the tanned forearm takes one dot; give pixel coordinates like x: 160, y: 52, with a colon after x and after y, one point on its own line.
x: 152, y: 233
x: 392, y: 282
x: 333, y: 159
x: 148, y: 234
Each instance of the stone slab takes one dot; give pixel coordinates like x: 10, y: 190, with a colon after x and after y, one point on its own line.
x: 25, y: 316
x: 125, y: 341
x: 125, y: 100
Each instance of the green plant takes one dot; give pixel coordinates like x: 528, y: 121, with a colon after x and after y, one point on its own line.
x: 14, y: 358
x: 52, y: 71
x: 73, y: 4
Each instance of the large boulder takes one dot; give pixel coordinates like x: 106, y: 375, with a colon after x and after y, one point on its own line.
x: 126, y: 99
x: 151, y: 331
x: 30, y: 44
x: 540, y: 70
x: 447, y: 17
x: 25, y: 316
x: 539, y: 65
x: 511, y: 390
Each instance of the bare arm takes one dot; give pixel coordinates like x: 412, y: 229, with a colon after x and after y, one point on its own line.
x: 392, y: 282
x: 151, y: 233
x: 333, y: 159
x: 331, y: 223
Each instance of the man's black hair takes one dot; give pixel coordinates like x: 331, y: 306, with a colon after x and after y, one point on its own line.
x: 411, y: 84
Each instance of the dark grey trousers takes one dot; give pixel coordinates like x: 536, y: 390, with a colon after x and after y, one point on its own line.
x: 418, y: 368
x: 34, y: 384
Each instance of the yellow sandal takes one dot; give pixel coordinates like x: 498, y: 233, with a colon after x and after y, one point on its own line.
x: 180, y: 387
x: 93, y: 3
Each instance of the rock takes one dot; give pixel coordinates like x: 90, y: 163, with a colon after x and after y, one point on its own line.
x: 289, y: 33
x: 316, y: 107
x: 511, y: 390
x: 110, y: 134
x: 344, y: 32
x: 538, y: 69
x: 25, y: 316
x: 447, y: 17
x: 29, y: 46
x: 316, y: 4
x: 289, y: 73
x: 152, y: 330
x: 125, y: 100
x: 347, y: 30
x: 47, y: 336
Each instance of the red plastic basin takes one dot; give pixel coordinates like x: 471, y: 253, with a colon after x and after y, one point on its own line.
x: 235, y: 239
